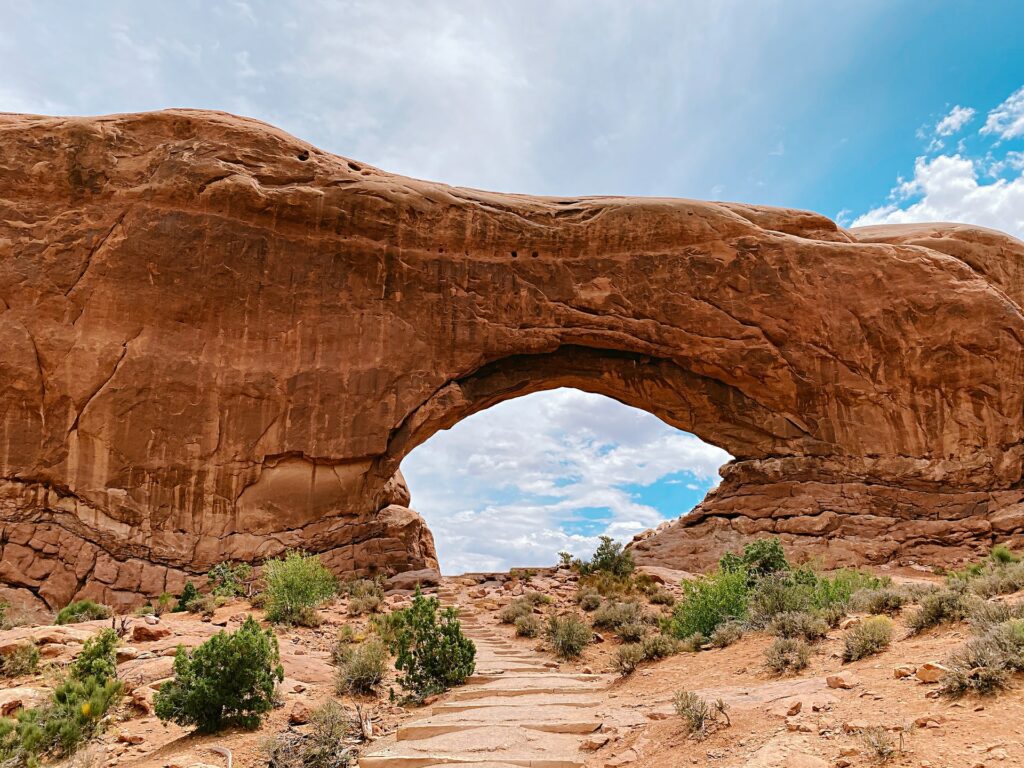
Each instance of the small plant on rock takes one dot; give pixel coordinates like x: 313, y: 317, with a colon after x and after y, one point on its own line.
x: 699, y: 716
x: 787, y: 655
x: 659, y: 647
x: 297, y: 585
x: 188, y: 597
x: 871, y: 636
x: 662, y: 596
x: 82, y: 610
x: 228, y: 680
x: 590, y: 601
x: 429, y: 647
x: 568, y: 636
x: 323, y: 745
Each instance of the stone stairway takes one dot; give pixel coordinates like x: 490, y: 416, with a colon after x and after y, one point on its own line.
x: 517, y: 710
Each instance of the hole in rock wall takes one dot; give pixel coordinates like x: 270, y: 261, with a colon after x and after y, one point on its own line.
x: 515, y: 484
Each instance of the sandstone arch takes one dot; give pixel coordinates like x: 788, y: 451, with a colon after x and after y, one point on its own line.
x: 220, y: 342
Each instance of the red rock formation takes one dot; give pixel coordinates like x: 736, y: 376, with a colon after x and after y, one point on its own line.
x: 221, y: 341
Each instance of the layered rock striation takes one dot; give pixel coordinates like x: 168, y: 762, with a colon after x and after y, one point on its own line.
x: 220, y: 342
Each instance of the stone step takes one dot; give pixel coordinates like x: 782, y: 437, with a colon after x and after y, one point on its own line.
x: 547, y: 718
x: 523, y: 703
x: 503, y: 745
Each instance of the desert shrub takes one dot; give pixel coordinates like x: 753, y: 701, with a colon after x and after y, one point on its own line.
x: 296, y: 586
x: 528, y: 626
x: 228, y: 579
x: 82, y: 610
x: 878, y: 743
x: 999, y: 579
x: 659, y: 647
x: 631, y: 631
x: 984, y: 614
x: 227, y: 681
x: 357, y: 606
x: 726, y: 634
x: 884, y: 600
x: 535, y: 598
x: 787, y: 655
x: 430, y: 649
x: 322, y: 745
x: 98, y: 657
x: 609, y: 558
x: 607, y: 584
x: 694, y: 643
x: 698, y: 716
x: 759, y: 558
x: 590, y: 601
x: 565, y: 560
x: 710, y: 601
x: 1002, y: 555
x: 799, y: 624
x: 662, y: 596
x: 345, y: 638
x: 361, y: 668
x: 837, y: 588
x: 145, y: 610
x: 984, y: 664
x: 612, y: 615
x: 871, y: 636
x: 163, y: 604
x: 568, y: 635
x: 514, y: 610
x: 22, y: 660
x: 627, y: 658
x: 364, y: 588
x: 189, y: 595
x: 940, y: 607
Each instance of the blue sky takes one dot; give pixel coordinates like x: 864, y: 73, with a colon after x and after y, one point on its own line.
x: 873, y: 111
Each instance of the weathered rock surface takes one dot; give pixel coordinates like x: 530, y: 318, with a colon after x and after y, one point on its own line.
x: 220, y: 342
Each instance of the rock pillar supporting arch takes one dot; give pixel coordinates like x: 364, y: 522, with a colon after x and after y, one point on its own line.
x: 220, y: 341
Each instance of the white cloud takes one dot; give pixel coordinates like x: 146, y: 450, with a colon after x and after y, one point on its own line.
x: 947, y: 188
x: 1007, y: 120
x: 952, y: 123
x: 528, y: 473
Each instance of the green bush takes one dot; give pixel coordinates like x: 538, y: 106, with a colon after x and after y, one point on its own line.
x: 941, y: 607
x: 228, y: 579
x: 430, y: 649
x: 227, y: 681
x: 710, y: 601
x: 871, y: 636
x: 98, y: 657
x: 188, y: 597
x: 759, y: 559
x: 22, y: 660
x: 659, y: 647
x: 1002, y: 555
x: 627, y: 658
x: 785, y: 655
x: 726, y: 634
x: 361, y: 669
x: 568, y: 636
x: 297, y: 585
x: 82, y: 610
x: 75, y: 713
x: 609, y: 558
x: 800, y: 624
x: 528, y: 626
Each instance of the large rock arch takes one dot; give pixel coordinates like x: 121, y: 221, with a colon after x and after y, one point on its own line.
x: 220, y: 342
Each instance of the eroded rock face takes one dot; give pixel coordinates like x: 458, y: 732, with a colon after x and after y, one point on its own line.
x: 219, y: 342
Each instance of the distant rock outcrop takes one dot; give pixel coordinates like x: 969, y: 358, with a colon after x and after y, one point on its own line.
x: 219, y: 342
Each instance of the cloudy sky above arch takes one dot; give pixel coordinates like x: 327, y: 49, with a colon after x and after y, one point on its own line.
x: 879, y: 111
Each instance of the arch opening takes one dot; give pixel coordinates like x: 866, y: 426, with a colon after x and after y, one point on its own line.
x: 517, y: 482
